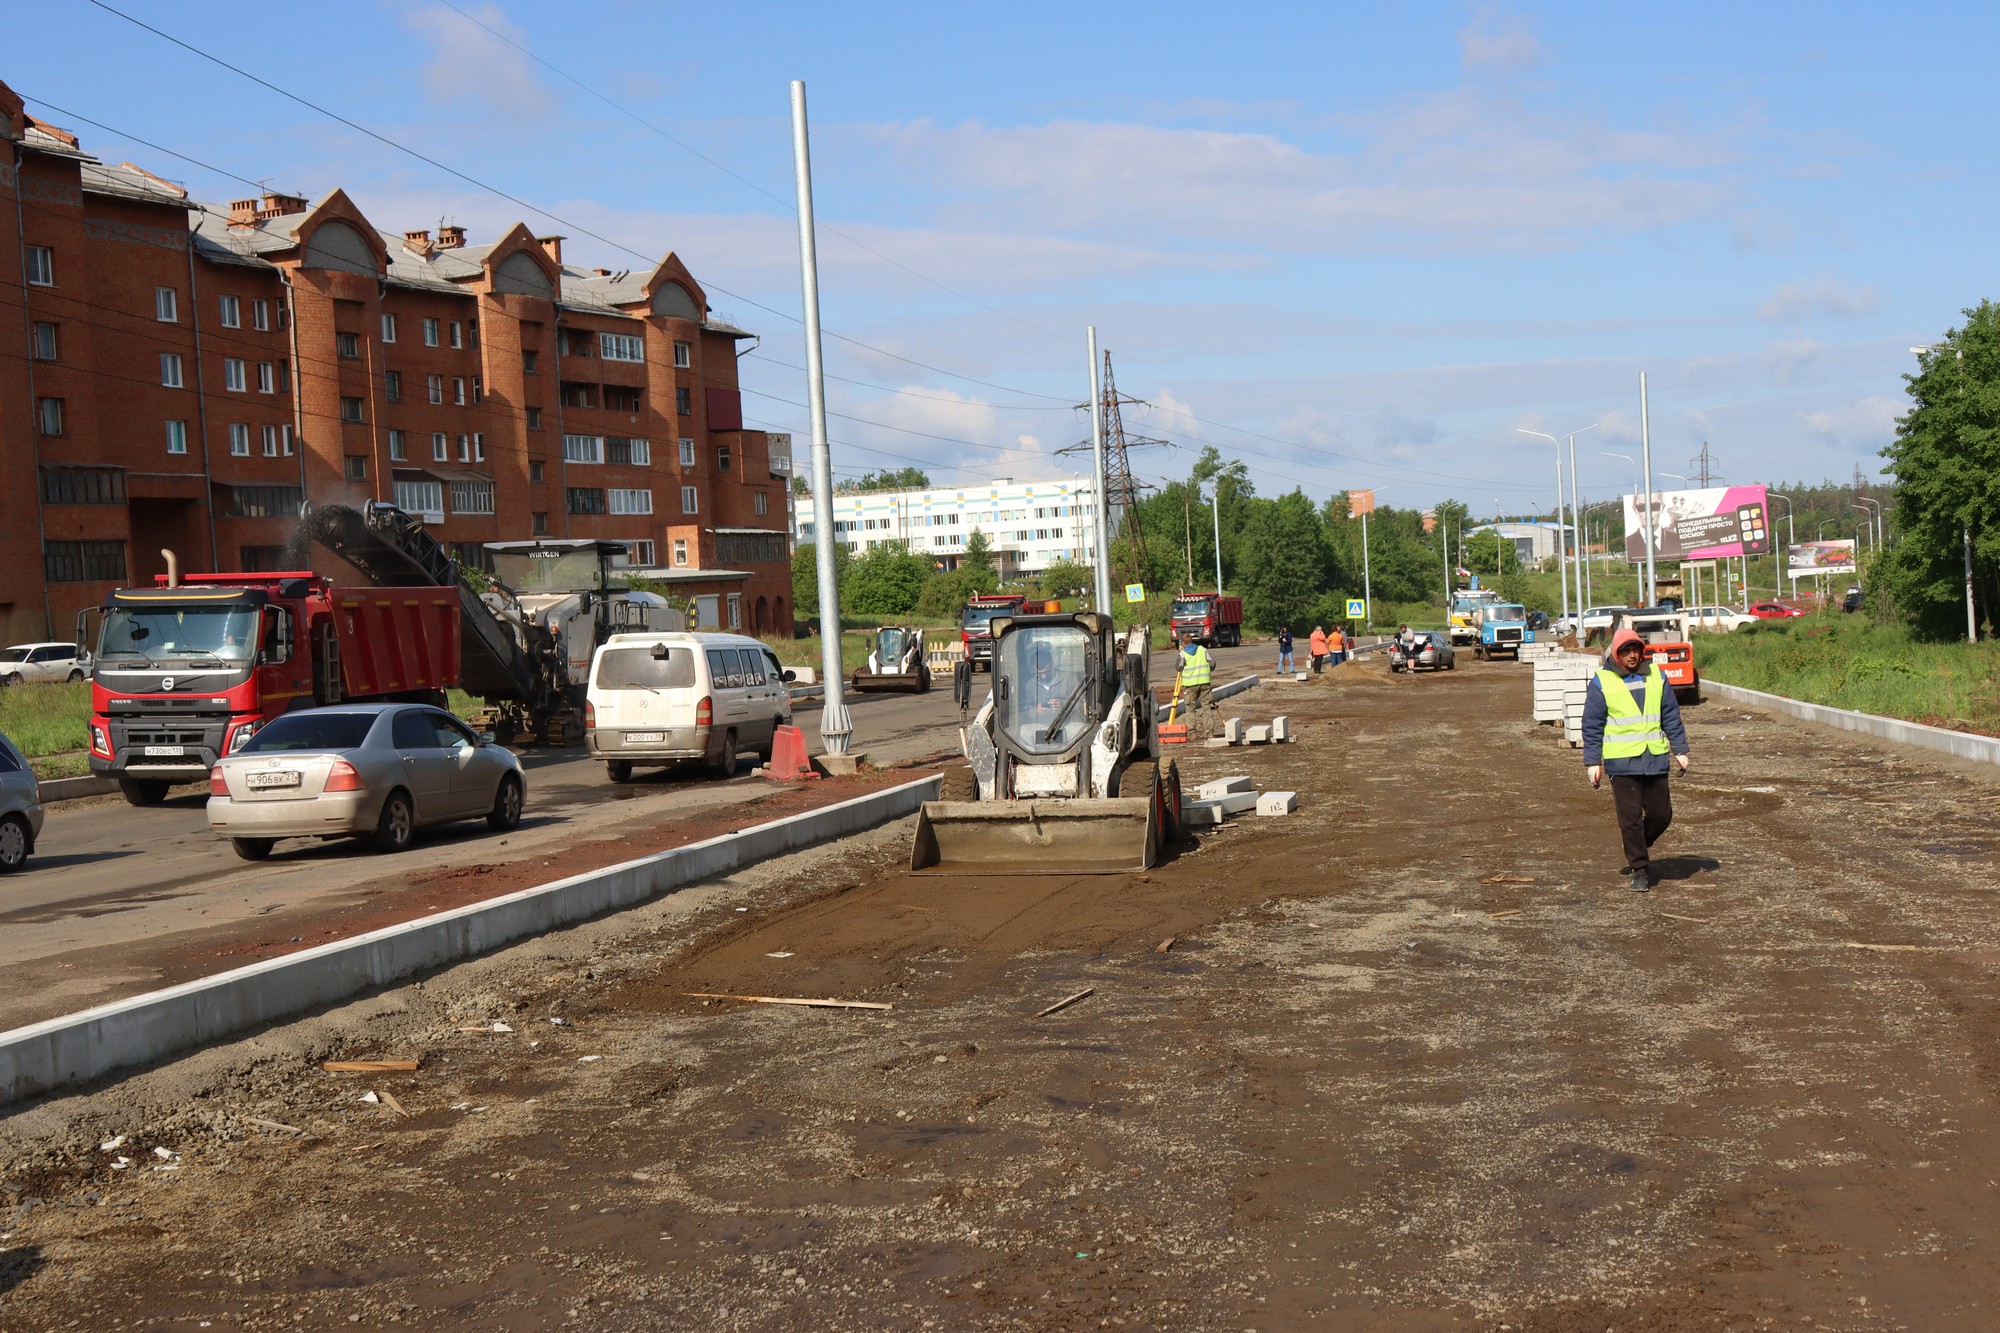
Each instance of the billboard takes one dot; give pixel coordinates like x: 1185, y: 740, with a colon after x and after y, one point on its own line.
x: 1700, y: 525
x: 1809, y: 558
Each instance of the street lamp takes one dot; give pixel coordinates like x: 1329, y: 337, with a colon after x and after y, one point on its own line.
x: 1576, y: 562
x: 1791, y: 540
x: 1867, y: 525
x: 1876, y: 514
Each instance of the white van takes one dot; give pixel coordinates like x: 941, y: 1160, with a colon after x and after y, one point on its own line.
x: 663, y: 699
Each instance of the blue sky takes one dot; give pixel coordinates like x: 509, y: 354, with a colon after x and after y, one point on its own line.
x: 1354, y: 245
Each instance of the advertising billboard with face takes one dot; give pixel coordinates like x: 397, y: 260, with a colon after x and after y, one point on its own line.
x: 1809, y: 558
x: 1700, y: 525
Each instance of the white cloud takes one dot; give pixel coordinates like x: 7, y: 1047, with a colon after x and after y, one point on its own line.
x: 470, y: 64
x: 1497, y: 41
x: 1867, y: 424
x: 1794, y: 301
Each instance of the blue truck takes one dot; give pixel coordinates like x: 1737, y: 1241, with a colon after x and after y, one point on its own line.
x: 1503, y: 628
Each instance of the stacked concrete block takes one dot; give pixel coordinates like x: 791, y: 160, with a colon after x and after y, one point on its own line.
x: 1232, y: 731
x: 1202, y: 814
x: 1258, y: 735
x: 1303, y: 677
x: 1220, y: 787
x: 1277, y: 803
x: 1281, y: 729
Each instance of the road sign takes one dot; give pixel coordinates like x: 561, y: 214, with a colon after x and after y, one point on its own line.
x: 1135, y: 592
x: 1356, y: 609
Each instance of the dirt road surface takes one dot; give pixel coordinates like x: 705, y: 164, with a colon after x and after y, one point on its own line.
x: 1415, y: 1059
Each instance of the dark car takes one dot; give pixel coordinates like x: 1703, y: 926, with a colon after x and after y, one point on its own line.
x: 1851, y: 602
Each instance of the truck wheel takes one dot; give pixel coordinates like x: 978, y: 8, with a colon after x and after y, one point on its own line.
x: 397, y: 827
x: 618, y: 770
x: 252, y: 849
x: 14, y: 844
x: 506, y: 811
x: 725, y: 765
x: 958, y: 784
x: 142, y: 791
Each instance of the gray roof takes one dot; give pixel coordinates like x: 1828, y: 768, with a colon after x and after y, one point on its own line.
x: 42, y: 141
x: 127, y: 182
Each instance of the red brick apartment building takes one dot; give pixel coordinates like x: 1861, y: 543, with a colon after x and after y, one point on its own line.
x: 181, y: 376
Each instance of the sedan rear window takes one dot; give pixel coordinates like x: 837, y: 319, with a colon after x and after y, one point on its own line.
x: 312, y: 731
x: 638, y: 669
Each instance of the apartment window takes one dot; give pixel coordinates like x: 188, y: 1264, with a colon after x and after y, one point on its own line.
x: 267, y: 377
x: 577, y: 395
x: 399, y: 446
x: 583, y: 449
x: 350, y: 409
x: 430, y: 333
x: 530, y: 362
x: 690, y: 500
x: 234, y: 377
x: 535, y: 471
x: 680, y: 551
x: 347, y: 344
x: 44, y: 342
x: 177, y: 437
x: 630, y: 501
x: 436, y: 386
x: 687, y: 453
x: 479, y: 446
x: 760, y: 502
x: 41, y: 266
x: 621, y: 347
x: 440, y: 447
x: 239, y: 439
x: 84, y: 562
x: 633, y: 453
x: 265, y: 501
x: 232, y: 313
x: 576, y: 342
x: 640, y: 553
x: 170, y: 369
x: 472, y: 448
x: 284, y: 377
x: 166, y: 305
x: 538, y: 524
x: 458, y: 390
x: 270, y: 441
x: 83, y: 485
x: 478, y: 393
x: 49, y: 415
x: 285, y: 440
x: 260, y: 315
x: 534, y: 418
x: 392, y: 385
x: 684, y: 402
x: 425, y: 499
x: 722, y: 458
x: 736, y: 610
x: 584, y: 500
x: 621, y: 398
x: 388, y: 328
x: 457, y: 335
x: 356, y: 468
x: 472, y: 497
x: 683, y: 356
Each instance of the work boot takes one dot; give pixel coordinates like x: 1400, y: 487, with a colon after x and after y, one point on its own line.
x: 1642, y: 880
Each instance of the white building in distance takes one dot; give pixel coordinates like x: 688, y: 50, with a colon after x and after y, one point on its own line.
x: 1028, y: 525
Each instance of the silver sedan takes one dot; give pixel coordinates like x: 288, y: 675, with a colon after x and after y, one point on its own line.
x: 20, y: 808
x: 1434, y: 650
x: 373, y: 771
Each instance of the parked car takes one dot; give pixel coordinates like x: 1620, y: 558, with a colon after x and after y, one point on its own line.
x: 20, y: 808
x: 43, y: 662
x: 1597, y: 621
x: 664, y: 699
x: 1718, y: 617
x: 1775, y: 611
x: 1852, y: 602
x: 373, y: 771
x: 1434, y: 650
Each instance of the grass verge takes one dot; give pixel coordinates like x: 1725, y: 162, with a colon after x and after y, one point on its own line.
x: 1852, y: 662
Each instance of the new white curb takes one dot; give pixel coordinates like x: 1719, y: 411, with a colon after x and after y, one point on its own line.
x: 1964, y: 744
x: 1220, y: 692
x: 146, y: 1028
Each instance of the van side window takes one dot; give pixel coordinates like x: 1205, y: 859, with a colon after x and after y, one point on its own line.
x: 722, y: 668
x: 753, y: 666
x: 775, y: 667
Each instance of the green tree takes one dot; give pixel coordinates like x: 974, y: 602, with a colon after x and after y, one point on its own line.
x: 886, y: 580
x: 805, y: 576
x: 900, y: 479
x: 1283, y: 569
x: 1063, y: 578
x: 979, y: 556
x: 1946, y: 458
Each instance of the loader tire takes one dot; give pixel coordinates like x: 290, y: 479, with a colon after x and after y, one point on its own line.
x: 958, y: 785
x: 1170, y: 794
x: 1142, y: 782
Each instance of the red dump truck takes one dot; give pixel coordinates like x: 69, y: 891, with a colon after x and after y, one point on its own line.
x: 187, y: 671
x: 975, y: 620
x: 1210, y: 617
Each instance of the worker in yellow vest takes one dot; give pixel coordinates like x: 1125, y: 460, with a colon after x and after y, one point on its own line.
x: 1631, y: 725
x: 1197, y: 678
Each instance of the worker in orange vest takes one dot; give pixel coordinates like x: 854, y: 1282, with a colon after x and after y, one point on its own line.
x: 1316, y: 644
x: 1336, y: 646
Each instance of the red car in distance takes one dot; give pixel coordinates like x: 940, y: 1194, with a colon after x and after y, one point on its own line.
x: 1774, y: 611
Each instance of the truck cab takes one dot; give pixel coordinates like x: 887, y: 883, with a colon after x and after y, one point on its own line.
x: 1503, y: 628
x: 975, y: 625
x: 1463, y: 626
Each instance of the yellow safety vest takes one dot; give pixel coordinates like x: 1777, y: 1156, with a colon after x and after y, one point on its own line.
x: 1630, y: 730
x: 1196, y: 669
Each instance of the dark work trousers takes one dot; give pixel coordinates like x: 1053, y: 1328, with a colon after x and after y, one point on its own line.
x: 1644, y: 811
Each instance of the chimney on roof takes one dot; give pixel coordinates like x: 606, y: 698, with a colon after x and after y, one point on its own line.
x: 243, y: 213
x: 450, y: 238
x: 602, y: 272
x: 418, y: 242
x: 278, y: 205
x: 551, y: 246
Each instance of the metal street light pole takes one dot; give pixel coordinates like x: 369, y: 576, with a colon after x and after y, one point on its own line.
x: 834, y: 728
x: 1103, y: 502
x: 1646, y: 448
x: 1791, y: 540
x: 1577, y: 557
x: 1640, y: 593
x: 1215, y: 517
x: 1867, y: 526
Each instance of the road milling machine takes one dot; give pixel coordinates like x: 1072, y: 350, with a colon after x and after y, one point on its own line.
x: 895, y: 662
x: 1064, y: 777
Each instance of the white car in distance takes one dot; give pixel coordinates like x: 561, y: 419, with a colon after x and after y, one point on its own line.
x: 32, y: 662
x: 1718, y: 617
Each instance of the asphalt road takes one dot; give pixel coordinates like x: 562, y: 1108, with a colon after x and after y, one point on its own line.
x: 106, y: 874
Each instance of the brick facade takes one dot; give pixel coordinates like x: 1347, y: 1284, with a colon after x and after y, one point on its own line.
x: 182, y: 376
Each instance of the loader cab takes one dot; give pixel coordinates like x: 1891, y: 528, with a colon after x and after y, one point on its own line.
x: 1042, y: 674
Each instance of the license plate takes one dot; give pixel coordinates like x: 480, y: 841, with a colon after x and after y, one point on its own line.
x: 266, y: 781
x: 164, y: 751
x: 645, y: 737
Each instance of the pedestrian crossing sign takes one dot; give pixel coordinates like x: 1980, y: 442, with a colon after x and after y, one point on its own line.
x: 1135, y: 592
x: 1356, y: 609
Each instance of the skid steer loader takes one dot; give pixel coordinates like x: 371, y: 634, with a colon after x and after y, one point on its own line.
x: 895, y: 662
x: 1064, y: 776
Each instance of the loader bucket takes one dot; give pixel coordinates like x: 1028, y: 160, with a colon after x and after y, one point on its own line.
x: 1036, y: 837
x: 908, y: 682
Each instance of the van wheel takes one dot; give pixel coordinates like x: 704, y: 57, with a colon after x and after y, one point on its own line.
x: 252, y: 849
x: 142, y: 791
x: 397, y: 827
x: 725, y: 766
x: 618, y: 770
x: 770, y: 745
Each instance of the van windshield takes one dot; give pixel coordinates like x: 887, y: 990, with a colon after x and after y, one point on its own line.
x: 639, y: 669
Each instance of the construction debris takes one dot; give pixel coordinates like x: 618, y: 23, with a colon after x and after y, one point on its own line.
x: 369, y: 1066
x: 1066, y: 1003
x: 781, y: 999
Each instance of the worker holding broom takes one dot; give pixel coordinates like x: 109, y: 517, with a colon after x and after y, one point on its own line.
x: 1196, y: 680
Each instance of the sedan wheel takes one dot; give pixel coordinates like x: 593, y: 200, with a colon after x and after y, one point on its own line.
x: 506, y: 811
x: 397, y: 826
x: 13, y: 844
x: 75, y: 677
